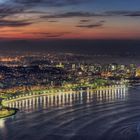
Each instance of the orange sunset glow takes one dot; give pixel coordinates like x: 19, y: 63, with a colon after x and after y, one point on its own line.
x: 63, y: 20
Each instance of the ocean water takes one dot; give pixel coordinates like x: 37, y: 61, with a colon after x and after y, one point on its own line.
x: 101, y: 115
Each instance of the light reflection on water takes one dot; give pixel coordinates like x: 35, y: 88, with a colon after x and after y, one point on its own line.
x: 70, y: 98
x: 2, y: 123
x: 91, y: 115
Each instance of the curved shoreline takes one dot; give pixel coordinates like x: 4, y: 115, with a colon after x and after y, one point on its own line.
x: 15, y: 110
x: 4, y: 102
x: 37, y: 95
x: 27, y: 96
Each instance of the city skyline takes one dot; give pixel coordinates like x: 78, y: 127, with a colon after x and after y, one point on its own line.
x: 69, y: 19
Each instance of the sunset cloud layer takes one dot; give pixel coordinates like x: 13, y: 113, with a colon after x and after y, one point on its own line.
x: 87, y: 19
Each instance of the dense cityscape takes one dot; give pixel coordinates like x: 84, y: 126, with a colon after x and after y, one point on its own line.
x: 23, y: 73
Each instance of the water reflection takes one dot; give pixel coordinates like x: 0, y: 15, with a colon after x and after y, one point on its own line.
x: 2, y: 123
x: 111, y: 113
x: 70, y: 98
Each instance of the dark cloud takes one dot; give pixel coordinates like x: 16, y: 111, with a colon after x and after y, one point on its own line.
x: 51, y: 2
x: 7, y: 10
x: 133, y: 14
x: 91, y: 14
x: 70, y: 15
x: 122, y: 13
x: 53, y: 21
x: 91, y: 25
x: 9, y: 23
x: 13, y: 7
x: 84, y: 20
x: 7, y: 13
x: 52, y: 35
x: 47, y: 34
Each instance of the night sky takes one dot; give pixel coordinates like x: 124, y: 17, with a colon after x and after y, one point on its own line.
x: 69, y: 19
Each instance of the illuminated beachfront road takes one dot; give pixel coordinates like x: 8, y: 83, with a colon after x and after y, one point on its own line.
x: 60, y: 98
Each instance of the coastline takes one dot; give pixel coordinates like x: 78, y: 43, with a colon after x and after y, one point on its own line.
x: 4, y: 102
x: 6, y: 111
x: 12, y: 111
